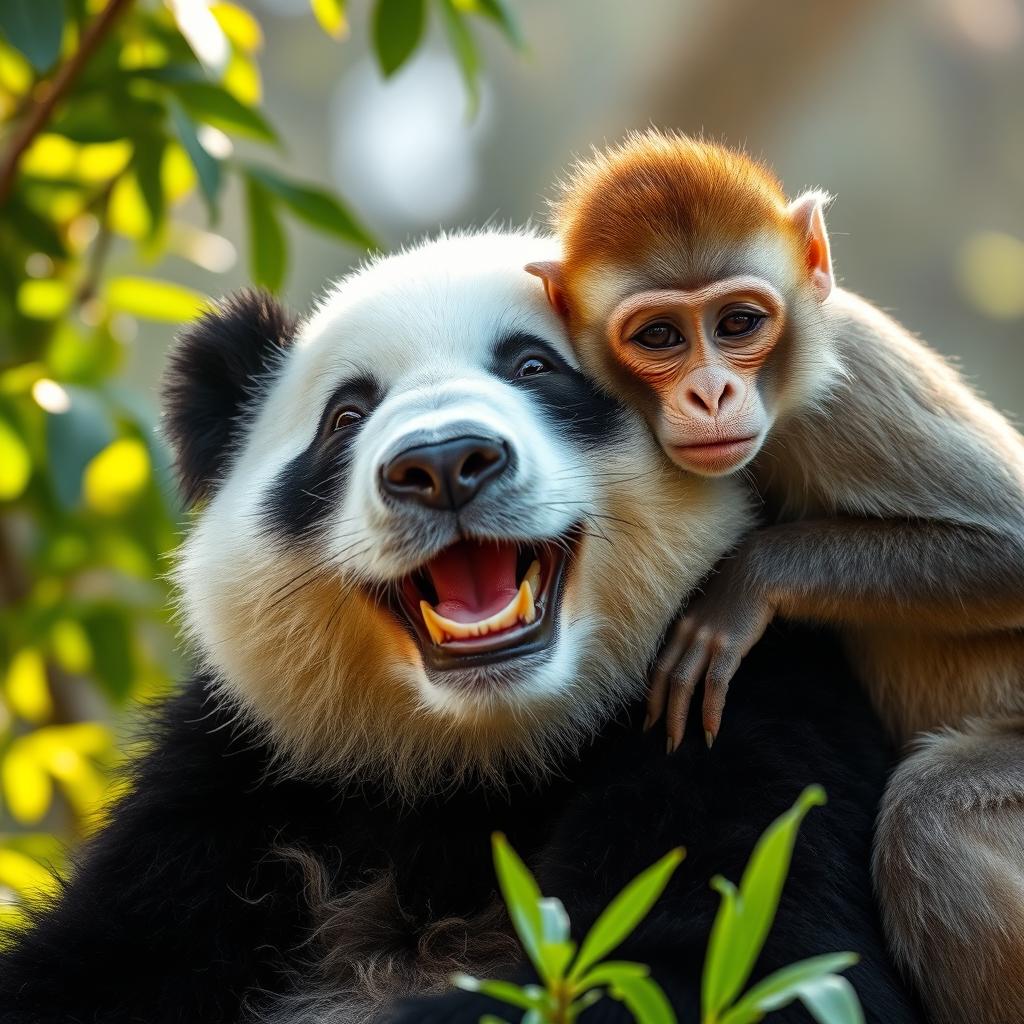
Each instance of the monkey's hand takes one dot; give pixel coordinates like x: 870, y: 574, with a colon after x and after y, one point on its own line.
x: 708, y: 642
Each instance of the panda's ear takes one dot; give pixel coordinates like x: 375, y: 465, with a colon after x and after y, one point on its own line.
x: 218, y: 371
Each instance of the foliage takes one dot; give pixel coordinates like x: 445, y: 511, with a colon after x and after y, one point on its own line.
x: 573, y: 979
x: 114, y: 115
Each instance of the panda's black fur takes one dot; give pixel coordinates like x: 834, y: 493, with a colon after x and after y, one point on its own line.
x: 197, y: 902
x: 182, y: 912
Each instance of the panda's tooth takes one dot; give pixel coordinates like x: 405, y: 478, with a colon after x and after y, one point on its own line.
x: 522, y: 608
x: 525, y: 608
x: 435, y: 624
x: 533, y: 576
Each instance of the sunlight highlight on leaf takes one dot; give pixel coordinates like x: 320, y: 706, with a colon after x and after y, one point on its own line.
x: 115, y: 477
x: 15, y: 464
x: 26, y: 686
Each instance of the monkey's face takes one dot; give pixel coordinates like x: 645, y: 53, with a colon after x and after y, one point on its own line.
x: 699, y: 354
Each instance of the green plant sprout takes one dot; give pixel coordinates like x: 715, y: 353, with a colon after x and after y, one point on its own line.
x: 573, y: 979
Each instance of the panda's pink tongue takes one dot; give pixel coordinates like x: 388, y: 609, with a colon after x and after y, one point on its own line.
x: 473, y: 580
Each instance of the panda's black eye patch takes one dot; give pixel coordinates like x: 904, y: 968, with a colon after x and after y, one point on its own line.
x: 559, y: 391
x: 309, y: 488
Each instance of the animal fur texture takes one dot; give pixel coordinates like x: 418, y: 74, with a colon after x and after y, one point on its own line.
x: 306, y: 839
x: 893, y: 510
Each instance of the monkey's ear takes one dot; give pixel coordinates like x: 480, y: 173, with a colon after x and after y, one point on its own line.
x: 807, y: 214
x: 550, y: 272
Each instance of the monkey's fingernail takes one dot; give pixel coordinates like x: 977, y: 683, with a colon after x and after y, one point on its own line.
x: 670, y: 746
x: 709, y: 738
x: 649, y: 720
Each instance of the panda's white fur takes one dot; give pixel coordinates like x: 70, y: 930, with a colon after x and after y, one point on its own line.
x: 295, y: 633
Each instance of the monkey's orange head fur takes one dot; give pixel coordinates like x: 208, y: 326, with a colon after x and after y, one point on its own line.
x: 667, y: 206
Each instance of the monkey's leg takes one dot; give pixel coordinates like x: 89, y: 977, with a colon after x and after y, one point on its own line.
x: 949, y: 870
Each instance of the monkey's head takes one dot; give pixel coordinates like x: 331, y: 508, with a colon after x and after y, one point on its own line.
x: 694, y: 290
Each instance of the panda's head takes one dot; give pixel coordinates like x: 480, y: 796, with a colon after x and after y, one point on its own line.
x: 425, y: 543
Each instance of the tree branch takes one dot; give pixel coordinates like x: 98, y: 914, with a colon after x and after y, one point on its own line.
x: 52, y: 92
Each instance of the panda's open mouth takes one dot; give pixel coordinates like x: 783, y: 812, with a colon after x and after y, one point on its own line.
x: 482, y: 601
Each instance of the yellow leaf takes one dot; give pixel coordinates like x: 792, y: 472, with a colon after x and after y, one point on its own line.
x: 50, y: 156
x: 15, y: 464
x: 100, y: 161
x: 115, y: 477
x: 92, y: 738
x: 26, y: 686
x: 15, y: 72
x: 43, y: 300
x: 331, y: 15
x: 239, y: 26
x: 26, y: 787
x: 242, y: 80
x: 128, y: 213
x: 54, y: 156
x: 155, y: 300
x: 25, y: 875
x: 71, y: 646
x: 177, y: 174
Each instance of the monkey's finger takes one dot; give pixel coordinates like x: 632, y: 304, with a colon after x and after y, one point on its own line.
x: 722, y: 668
x: 664, y: 667
x: 684, y: 681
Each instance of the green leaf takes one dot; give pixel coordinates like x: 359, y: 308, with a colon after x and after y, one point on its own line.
x: 501, y: 13
x: 73, y: 438
x: 208, y: 167
x: 332, y: 17
x: 832, y: 1000
x: 110, y: 638
x: 210, y: 104
x: 745, y: 916
x: 314, y: 206
x: 783, y: 986
x: 626, y: 911
x: 147, y: 161
x: 611, y: 972
x: 464, y: 48
x: 522, y: 897
x: 645, y: 1000
x: 154, y: 300
x: 268, y: 248
x: 397, y: 29
x: 527, y: 998
x: 34, y: 27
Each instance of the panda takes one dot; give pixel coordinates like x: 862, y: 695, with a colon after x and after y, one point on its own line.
x: 428, y: 566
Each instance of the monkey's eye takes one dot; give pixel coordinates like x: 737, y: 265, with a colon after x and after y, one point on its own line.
x: 660, y: 335
x: 739, y: 323
x: 530, y: 367
x: 345, y: 418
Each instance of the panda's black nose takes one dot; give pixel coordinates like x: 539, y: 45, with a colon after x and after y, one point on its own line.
x: 444, y: 475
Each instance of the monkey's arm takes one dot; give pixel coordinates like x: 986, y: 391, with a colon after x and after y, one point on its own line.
x: 948, y: 577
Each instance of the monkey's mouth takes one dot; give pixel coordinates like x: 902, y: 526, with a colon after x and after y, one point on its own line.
x: 480, y: 602
x: 715, y: 456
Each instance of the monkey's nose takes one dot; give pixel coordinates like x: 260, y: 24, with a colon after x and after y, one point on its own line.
x: 709, y: 392
x: 445, y: 475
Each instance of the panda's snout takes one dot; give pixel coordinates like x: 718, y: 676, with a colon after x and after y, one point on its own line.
x: 444, y: 475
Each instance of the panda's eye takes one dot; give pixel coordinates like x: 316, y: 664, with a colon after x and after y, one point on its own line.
x: 345, y: 418
x: 531, y: 366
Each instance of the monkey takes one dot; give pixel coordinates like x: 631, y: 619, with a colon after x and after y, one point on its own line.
x: 893, y: 499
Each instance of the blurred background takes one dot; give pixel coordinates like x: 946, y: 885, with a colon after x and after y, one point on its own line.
x: 396, y: 118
